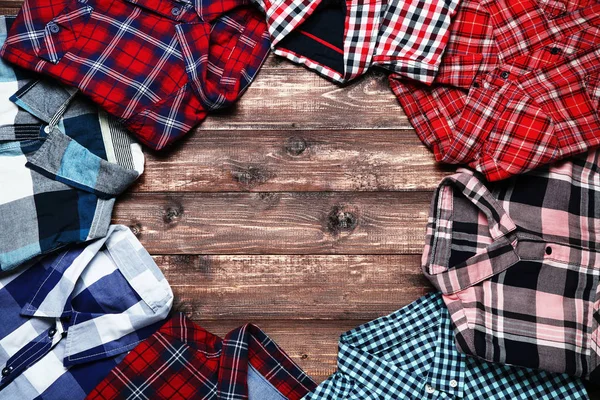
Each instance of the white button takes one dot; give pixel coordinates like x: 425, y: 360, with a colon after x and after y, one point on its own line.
x: 429, y: 389
x: 453, y: 383
x: 47, y: 129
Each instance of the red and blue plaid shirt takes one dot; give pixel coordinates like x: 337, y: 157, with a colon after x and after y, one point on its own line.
x: 183, y: 361
x: 158, y: 65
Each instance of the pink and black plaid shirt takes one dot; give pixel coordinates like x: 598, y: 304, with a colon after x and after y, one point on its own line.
x: 341, y: 39
x: 158, y: 65
x: 183, y: 361
x: 518, y: 263
x: 518, y: 86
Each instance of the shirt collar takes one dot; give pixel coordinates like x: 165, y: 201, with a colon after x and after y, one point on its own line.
x: 46, y: 100
x: 371, y: 342
x: 242, y: 348
x: 56, y: 288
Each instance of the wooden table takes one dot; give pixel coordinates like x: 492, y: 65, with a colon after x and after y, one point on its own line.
x: 302, y: 209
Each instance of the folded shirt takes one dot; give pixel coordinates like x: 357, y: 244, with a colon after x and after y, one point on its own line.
x: 518, y: 86
x: 342, y: 39
x: 183, y: 361
x: 62, y: 162
x: 159, y: 66
x: 518, y: 263
x: 410, y: 355
x: 69, y: 318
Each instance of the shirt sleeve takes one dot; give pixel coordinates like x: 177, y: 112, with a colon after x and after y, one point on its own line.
x: 83, y: 147
x: 65, y: 160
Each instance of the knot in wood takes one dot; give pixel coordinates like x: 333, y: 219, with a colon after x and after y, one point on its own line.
x: 303, y: 356
x: 136, y: 229
x: 250, y: 176
x: 295, y: 146
x: 339, y: 220
x: 172, y: 213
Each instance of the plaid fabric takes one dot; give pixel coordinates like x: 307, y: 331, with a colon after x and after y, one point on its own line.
x: 61, y: 165
x: 518, y: 264
x: 68, y: 319
x: 518, y: 86
x: 342, y: 39
x: 410, y: 354
x: 159, y: 66
x: 183, y: 361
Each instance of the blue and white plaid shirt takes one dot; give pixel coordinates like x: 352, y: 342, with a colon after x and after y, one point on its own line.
x: 62, y: 163
x: 410, y: 354
x: 68, y: 319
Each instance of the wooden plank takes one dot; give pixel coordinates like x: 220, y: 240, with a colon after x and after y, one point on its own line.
x: 299, y: 99
x: 275, y: 161
x: 293, y: 287
x: 277, y: 223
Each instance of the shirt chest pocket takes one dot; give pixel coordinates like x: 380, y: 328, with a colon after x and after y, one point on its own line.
x: 62, y: 32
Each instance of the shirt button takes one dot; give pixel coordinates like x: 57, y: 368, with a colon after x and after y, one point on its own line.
x: 47, y: 129
x: 548, y: 250
x: 6, y: 371
x: 554, y: 50
x: 52, y: 332
x: 429, y: 389
x: 453, y: 383
x: 53, y: 27
x: 505, y: 74
x: 176, y: 11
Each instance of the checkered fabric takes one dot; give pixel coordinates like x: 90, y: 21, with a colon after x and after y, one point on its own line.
x: 518, y: 264
x: 342, y: 39
x: 71, y: 317
x: 410, y: 355
x: 183, y: 361
x: 518, y: 86
x: 61, y: 165
x: 159, y: 66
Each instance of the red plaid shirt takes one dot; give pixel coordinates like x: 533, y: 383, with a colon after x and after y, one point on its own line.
x: 183, y: 361
x: 158, y: 65
x: 518, y: 86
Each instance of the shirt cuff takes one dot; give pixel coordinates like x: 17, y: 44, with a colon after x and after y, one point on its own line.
x: 63, y: 159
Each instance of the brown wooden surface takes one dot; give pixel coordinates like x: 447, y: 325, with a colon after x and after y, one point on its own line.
x: 302, y: 209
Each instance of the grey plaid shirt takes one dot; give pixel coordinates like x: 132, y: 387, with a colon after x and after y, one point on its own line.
x: 61, y: 165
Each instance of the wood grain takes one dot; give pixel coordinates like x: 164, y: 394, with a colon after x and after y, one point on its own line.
x: 275, y: 161
x: 277, y: 223
x: 293, y: 287
x: 298, y: 99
